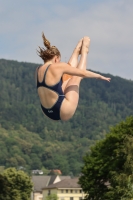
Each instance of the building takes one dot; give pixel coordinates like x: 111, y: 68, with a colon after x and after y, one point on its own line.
x: 67, y: 189
x: 40, y: 182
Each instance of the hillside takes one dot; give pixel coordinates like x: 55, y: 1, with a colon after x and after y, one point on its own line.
x: 101, y: 105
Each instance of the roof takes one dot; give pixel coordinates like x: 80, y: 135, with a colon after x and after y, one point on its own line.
x: 64, y: 177
x: 56, y: 171
x: 66, y: 183
x: 52, y: 179
x: 39, y: 182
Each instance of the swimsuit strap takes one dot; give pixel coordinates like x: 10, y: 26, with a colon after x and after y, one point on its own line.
x: 45, y: 74
x: 43, y: 81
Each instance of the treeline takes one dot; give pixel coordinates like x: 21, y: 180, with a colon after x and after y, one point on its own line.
x: 21, y: 148
x: 101, y: 105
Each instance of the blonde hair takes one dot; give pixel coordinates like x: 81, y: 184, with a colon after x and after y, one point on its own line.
x: 50, y: 51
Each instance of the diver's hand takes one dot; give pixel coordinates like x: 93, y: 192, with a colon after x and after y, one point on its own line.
x: 105, y: 78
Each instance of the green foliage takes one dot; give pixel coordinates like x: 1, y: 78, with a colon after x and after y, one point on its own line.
x: 52, y: 197
x: 29, y: 139
x: 108, y: 170
x: 2, y: 168
x: 15, y: 185
x: 21, y: 148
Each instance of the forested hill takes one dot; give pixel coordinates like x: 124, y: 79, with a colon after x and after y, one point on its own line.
x: 101, y: 105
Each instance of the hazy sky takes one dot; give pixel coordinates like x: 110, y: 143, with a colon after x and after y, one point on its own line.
x: 108, y: 23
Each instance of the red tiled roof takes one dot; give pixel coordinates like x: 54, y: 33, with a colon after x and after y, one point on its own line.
x: 56, y: 171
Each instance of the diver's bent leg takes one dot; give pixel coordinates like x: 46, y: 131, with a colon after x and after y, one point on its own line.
x: 71, y: 90
x: 70, y: 102
x: 83, y: 59
x: 84, y: 52
x: 73, y: 62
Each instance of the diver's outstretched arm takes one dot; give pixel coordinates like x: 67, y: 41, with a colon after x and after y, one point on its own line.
x: 59, y: 69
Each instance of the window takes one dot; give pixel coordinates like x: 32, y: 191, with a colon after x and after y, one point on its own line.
x: 75, y: 191
x: 80, y: 198
x: 49, y: 192
x: 62, y: 191
x: 71, y: 191
x: 80, y: 191
x: 66, y: 191
x: 71, y: 198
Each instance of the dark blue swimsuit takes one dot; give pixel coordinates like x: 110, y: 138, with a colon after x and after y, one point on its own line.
x: 54, y: 111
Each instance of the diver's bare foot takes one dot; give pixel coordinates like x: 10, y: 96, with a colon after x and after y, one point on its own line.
x: 86, y: 44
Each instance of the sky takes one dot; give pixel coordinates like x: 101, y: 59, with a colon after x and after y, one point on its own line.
x: 108, y: 23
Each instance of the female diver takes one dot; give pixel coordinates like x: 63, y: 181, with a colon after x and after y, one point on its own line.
x: 58, y: 82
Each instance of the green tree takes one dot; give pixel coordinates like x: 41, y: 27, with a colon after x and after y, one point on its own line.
x: 15, y: 185
x: 52, y: 197
x: 108, y: 170
x: 3, y: 187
